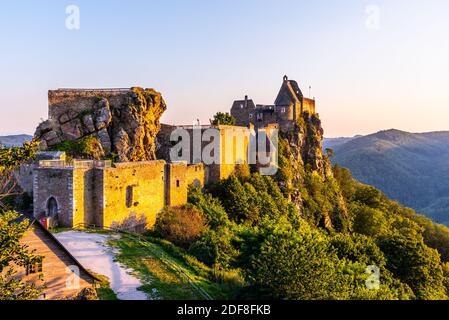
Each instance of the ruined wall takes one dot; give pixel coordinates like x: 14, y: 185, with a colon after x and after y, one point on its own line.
x: 232, y: 146
x: 57, y: 183
x: 179, y: 176
x: 308, y: 106
x: 133, y: 193
x: 176, y: 184
x: 196, y: 175
x: 84, y: 185
x: 234, y: 143
x: 24, y: 174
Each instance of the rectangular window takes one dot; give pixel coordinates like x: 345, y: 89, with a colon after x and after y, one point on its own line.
x: 283, y: 110
x: 178, y: 183
x: 129, y: 196
x: 33, y: 268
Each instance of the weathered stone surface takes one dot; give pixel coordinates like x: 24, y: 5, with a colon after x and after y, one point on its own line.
x: 51, y: 135
x: 46, y: 126
x: 88, y: 123
x: 103, y: 116
x: 72, y: 130
x: 121, y: 143
x: 67, y: 116
x: 126, y: 121
x: 105, y: 140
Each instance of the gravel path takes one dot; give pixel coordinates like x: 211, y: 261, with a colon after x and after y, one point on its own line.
x: 91, y: 251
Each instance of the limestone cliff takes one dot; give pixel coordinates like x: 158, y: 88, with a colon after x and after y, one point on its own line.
x: 306, y: 177
x: 118, y: 123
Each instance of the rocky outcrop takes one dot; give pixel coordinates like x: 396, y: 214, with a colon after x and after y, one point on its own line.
x: 311, y: 141
x: 124, y: 121
x: 303, y: 167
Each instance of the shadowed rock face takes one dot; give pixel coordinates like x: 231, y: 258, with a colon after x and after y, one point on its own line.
x: 124, y: 122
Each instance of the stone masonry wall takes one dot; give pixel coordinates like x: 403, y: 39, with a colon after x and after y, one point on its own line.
x: 134, y: 193
x: 232, y: 148
x: 83, y: 201
x: 195, y: 175
x: 308, y: 106
x: 57, y: 183
x: 176, y: 184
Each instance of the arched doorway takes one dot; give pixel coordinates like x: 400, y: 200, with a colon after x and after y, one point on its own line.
x: 52, y: 208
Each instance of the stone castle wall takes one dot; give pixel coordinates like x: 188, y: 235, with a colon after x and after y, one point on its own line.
x: 56, y: 183
x: 309, y: 106
x: 232, y: 147
x: 124, y: 195
x: 134, y: 193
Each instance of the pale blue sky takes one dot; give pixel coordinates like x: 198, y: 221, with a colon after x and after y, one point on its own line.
x: 204, y: 54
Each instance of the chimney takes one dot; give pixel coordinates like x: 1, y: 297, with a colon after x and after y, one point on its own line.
x: 246, y: 101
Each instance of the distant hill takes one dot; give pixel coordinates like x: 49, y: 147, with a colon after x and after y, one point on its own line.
x: 412, y: 168
x: 334, y: 142
x: 14, y: 140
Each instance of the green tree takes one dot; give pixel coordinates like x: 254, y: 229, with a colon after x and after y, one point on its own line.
x: 345, y: 180
x: 415, y: 264
x: 12, y: 255
x: 10, y: 159
x: 215, y: 248
x: 235, y: 199
x: 304, y: 266
x: 223, y: 118
x: 211, y: 207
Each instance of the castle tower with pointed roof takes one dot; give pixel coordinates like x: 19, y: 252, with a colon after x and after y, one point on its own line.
x: 290, y: 104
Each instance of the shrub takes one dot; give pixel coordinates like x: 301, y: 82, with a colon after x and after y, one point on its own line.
x: 87, y: 147
x: 214, y: 248
x: 180, y: 225
x: 209, y: 206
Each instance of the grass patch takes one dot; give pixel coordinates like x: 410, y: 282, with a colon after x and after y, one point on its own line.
x: 104, y: 291
x: 161, y: 281
x: 170, y: 273
x: 219, y: 284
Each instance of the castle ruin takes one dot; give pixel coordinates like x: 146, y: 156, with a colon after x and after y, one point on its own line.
x: 132, y: 190
x: 288, y: 107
